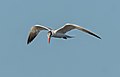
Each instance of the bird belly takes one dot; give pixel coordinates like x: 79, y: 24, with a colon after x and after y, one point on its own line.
x: 58, y: 35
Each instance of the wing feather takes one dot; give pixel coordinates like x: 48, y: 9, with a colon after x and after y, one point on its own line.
x: 34, y: 32
x: 67, y: 27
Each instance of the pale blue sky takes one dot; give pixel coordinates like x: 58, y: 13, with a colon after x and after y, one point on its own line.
x: 83, y: 56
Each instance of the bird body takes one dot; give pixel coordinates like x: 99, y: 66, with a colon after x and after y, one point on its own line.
x: 58, y: 33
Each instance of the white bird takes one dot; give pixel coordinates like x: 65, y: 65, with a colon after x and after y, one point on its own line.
x: 58, y: 33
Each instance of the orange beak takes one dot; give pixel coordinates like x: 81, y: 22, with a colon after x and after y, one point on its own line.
x: 49, y: 40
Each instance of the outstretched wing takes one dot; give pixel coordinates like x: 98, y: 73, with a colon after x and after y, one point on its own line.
x: 34, y: 32
x: 67, y: 27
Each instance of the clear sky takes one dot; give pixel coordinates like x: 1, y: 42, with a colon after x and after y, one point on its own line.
x: 83, y: 56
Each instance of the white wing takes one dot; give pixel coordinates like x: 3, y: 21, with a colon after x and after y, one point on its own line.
x: 67, y: 27
x: 34, y: 32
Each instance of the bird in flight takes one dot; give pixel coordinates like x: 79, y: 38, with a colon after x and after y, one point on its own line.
x: 58, y: 33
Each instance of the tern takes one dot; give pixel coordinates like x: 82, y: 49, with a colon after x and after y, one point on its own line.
x: 58, y: 33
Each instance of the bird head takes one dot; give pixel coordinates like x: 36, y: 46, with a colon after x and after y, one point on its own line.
x: 49, y: 36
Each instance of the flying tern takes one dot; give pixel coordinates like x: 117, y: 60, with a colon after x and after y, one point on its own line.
x: 58, y: 33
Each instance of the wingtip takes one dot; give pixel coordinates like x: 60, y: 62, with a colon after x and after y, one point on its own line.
x: 99, y: 37
x: 28, y: 42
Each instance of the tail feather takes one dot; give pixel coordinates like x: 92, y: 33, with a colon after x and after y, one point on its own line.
x: 69, y: 36
x: 66, y: 36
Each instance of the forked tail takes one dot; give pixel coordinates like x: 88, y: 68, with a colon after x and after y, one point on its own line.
x: 68, y: 37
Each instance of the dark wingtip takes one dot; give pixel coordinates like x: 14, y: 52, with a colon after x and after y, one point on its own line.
x: 99, y: 37
x: 28, y: 42
x: 31, y: 37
